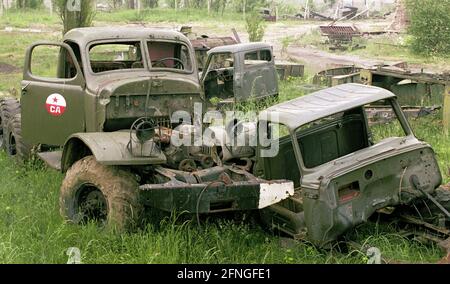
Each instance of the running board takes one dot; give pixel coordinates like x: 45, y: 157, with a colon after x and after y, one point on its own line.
x: 52, y: 159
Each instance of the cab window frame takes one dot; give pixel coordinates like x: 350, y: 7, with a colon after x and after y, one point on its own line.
x: 159, y: 69
x: 258, y: 52
x: 114, y: 41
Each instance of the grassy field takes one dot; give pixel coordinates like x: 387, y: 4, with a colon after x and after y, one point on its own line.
x: 388, y: 47
x: 32, y: 231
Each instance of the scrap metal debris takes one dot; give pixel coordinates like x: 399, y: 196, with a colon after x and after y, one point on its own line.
x: 341, y: 37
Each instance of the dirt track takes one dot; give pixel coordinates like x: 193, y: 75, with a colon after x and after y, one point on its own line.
x: 314, y: 59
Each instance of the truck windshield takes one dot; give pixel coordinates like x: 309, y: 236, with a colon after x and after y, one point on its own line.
x: 115, y: 56
x: 340, y: 134
x: 169, y: 55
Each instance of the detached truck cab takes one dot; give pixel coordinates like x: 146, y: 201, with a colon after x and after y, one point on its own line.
x: 240, y: 72
x: 345, y: 166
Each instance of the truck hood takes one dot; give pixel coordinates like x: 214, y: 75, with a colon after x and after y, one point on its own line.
x: 359, y: 159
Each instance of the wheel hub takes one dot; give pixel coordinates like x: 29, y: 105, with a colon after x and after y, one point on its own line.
x: 91, y: 205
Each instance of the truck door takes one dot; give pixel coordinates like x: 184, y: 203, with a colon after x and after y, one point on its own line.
x: 52, y: 94
x: 217, y: 76
x: 259, y: 76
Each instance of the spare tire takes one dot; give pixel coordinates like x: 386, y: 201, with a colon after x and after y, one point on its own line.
x: 16, y: 146
x: 9, y: 107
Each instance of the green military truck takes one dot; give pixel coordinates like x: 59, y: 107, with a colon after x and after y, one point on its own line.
x: 98, y: 107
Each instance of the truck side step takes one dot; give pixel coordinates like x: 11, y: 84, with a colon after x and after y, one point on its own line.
x: 52, y: 159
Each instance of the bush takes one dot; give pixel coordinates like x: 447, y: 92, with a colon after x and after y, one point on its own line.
x: 255, y: 27
x: 429, y: 26
x: 33, y: 4
x: 250, y: 5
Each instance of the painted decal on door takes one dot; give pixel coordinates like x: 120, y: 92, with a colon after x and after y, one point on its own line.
x: 55, y: 104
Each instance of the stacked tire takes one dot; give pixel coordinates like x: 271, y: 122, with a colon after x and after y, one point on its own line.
x: 11, y: 139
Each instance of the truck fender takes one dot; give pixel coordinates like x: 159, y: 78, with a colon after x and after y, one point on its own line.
x: 108, y: 148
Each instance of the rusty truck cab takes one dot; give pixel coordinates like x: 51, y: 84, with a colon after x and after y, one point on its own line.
x: 109, y: 77
x: 344, y: 165
x: 240, y: 72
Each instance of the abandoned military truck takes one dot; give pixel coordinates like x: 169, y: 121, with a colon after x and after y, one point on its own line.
x: 102, y: 116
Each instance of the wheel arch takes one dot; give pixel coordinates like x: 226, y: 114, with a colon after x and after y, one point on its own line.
x: 108, y: 148
x: 74, y: 149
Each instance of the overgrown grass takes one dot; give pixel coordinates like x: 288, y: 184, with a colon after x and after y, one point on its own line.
x: 388, y: 47
x: 12, y: 51
x: 166, y: 15
x: 396, y: 48
x: 32, y: 231
x: 43, y: 18
x: 29, y: 18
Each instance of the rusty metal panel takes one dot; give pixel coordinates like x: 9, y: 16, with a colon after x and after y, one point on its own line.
x: 210, y: 42
x: 289, y: 69
x: 338, y: 30
x: 446, y: 112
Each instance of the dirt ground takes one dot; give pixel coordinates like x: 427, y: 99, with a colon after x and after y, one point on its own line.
x: 7, y: 68
x: 314, y: 59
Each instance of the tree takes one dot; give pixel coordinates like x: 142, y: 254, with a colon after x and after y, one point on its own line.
x: 75, y: 13
x: 117, y: 3
x: 33, y: 4
x: 429, y: 26
x: 401, y: 20
x: 149, y: 3
x: 255, y: 27
x: 250, y: 5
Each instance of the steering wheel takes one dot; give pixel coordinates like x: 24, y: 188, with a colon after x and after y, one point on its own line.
x: 178, y: 62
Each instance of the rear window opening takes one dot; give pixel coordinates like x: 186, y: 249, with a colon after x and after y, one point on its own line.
x: 257, y: 57
x: 169, y: 55
x: 340, y: 134
x: 115, y: 56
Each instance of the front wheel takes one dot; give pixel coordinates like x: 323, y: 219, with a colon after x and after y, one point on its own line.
x: 107, y: 195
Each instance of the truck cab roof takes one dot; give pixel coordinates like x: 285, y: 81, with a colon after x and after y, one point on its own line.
x: 309, y: 108
x: 240, y: 47
x: 83, y: 36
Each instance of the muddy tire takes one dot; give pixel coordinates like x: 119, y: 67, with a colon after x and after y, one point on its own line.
x: 107, y: 195
x: 16, y: 146
x: 9, y: 107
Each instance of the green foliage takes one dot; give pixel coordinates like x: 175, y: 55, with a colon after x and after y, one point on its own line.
x: 154, y: 15
x: 255, y: 26
x: 75, y: 19
x: 250, y: 5
x: 32, y: 4
x: 430, y: 26
x: 149, y: 3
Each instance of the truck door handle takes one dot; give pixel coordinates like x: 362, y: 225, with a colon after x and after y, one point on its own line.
x: 24, y: 89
